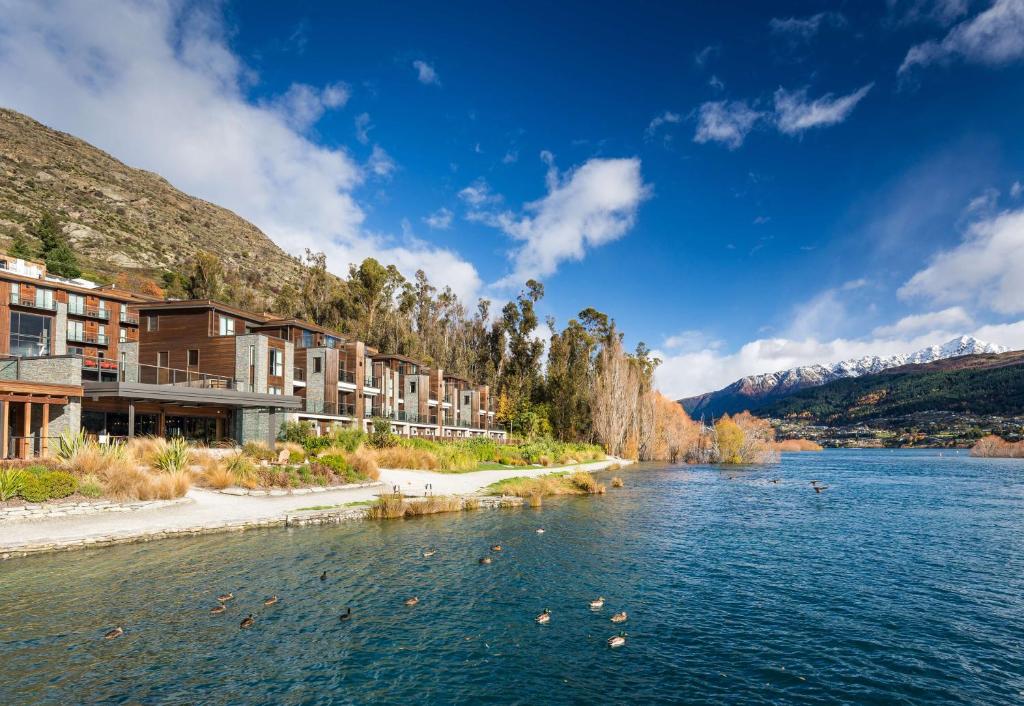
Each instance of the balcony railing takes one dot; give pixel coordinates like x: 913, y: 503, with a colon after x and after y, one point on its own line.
x: 127, y: 318
x: 99, y: 339
x: 369, y: 412
x: 336, y: 409
x: 298, y: 374
x: 346, y: 376
x: 33, y: 302
x: 371, y: 381
x: 93, y: 312
x: 95, y: 369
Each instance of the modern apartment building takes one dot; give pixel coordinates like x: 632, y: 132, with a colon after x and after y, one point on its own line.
x: 116, y: 364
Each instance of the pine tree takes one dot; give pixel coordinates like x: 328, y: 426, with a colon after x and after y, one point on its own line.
x: 20, y: 248
x: 60, y: 259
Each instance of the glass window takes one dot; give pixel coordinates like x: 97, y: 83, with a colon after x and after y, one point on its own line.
x: 193, y: 357
x: 163, y: 359
x: 102, y: 337
x: 318, y: 364
x: 44, y: 298
x: 226, y: 325
x: 76, y: 304
x: 152, y: 322
x: 412, y: 386
x: 30, y: 334
x: 75, y: 331
x: 15, y: 292
x: 276, y: 362
x: 122, y: 335
x: 275, y: 390
x: 307, y: 339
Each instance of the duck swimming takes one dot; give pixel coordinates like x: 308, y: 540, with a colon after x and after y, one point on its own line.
x: 111, y: 634
x: 270, y: 601
x: 347, y: 615
x: 617, y: 640
x: 620, y: 617
x: 412, y: 601
x: 218, y: 609
x: 323, y: 576
x: 485, y: 560
x: 540, y: 530
x: 427, y: 553
x: 597, y: 602
x: 225, y: 597
x: 496, y: 548
x: 544, y: 617
x: 247, y: 622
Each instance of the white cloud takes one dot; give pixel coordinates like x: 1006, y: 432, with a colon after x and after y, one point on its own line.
x: 441, y: 219
x: 363, y: 127
x: 993, y: 37
x: 1016, y: 190
x: 705, y: 55
x: 380, y: 163
x: 725, y: 122
x: 511, y: 157
x: 666, y: 117
x: 158, y: 86
x: 806, y: 27
x: 586, y: 207
x: 794, y: 113
x: 955, y: 318
x: 425, y: 73
x: 716, y: 83
x: 479, y: 194
x: 690, y: 341
x: 984, y: 269
x: 303, y: 105
x: 943, y: 12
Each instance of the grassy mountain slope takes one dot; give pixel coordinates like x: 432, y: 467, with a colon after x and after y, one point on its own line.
x: 976, y: 384
x: 118, y: 218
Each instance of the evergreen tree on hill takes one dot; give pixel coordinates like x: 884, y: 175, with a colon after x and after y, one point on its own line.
x: 60, y: 259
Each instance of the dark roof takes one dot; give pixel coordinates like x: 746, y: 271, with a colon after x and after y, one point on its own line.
x: 202, y: 304
x: 396, y: 356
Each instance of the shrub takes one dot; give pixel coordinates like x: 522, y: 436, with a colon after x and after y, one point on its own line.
x: 585, y: 482
x: 219, y: 477
x: 315, y: 444
x: 381, y: 436
x: 336, y: 463
x: 33, y: 490
x: 69, y: 443
x: 348, y: 439
x: 59, y: 484
x: 258, y: 451
x: 12, y: 480
x: 174, y: 457
x: 90, y: 486
x: 242, y: 470
x: 297, y: 432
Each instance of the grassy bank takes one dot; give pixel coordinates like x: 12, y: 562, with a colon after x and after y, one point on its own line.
x: 578, y: 483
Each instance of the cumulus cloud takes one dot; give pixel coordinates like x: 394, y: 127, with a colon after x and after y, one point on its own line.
x: 478, y: 194
x: 728, y: 122
x: 993, y: 37
x: 955, y: 318
x: 158, y: 86
x: 794, y: 113
x: 363, y: 127
x: 441, y: 219
x: 806, y: 27
x: 1016, y: 189
x: 425, y: 73
x: 586, y: 207
x: 985, y: 269
x: 659, y: 120
x: 511, y: 157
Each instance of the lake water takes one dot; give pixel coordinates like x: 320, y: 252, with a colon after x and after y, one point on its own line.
x: 902, y: 583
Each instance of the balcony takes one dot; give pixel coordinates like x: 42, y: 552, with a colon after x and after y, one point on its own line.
x: 334, y: 409
x: 298, y: 374
x: 371, y: 381
x: 127, y: 318
x: 33, y: 303
x: 346, y: 376
x: 96, y: 339
x: 370, y: 412
x: 95, y: 369
x: 92, y: 312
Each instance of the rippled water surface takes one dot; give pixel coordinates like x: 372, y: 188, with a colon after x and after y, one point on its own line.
x: 902, y: 583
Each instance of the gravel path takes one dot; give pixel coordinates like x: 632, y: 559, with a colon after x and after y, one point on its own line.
x: 211, y: 510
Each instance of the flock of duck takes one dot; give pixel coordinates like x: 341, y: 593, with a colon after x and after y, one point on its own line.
x: 542, y: 619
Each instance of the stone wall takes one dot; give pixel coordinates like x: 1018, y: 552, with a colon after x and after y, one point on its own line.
x: 33, y: 511
x: 130, y: 351
x: 62, y: 370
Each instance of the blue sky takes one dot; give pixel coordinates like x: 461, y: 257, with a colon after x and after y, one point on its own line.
x: 744, y: 188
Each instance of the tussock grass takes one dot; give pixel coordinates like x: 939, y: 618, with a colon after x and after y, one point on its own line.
x: 794, y: 445
x: 614, y: 467
x: 404, y: 457
x: 218, y: 477
x: 363, y: 463
x: 389, y: 506
x: 617, y: 482
x: 585, y: 482
x: 579, y: 483
x: 535, y: 500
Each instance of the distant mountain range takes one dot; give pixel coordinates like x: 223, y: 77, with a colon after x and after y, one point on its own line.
x: 754, y: 392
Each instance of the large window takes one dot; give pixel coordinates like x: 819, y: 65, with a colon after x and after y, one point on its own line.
x: 276, y: 362
x: 226, y: 325
x: 44, y: 298
x: 75, y: 331
x: 307, y: 339
x: 30, y: 334
x: 76, y: 304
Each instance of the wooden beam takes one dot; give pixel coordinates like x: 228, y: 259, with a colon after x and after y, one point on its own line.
x: 26, y: 431
x: 34, y: 398
x: 5, y: 410
x: 21, y: 387
x: 44, y: 431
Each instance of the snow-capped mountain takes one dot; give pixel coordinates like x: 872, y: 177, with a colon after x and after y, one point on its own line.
x: 754, y: 391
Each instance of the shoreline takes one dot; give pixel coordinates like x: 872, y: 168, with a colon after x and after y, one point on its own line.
x: 207, y: 511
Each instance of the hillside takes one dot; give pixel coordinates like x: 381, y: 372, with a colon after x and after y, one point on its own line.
x: 976, y: 384
x: 118, y: 218
x: 754, y: 392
